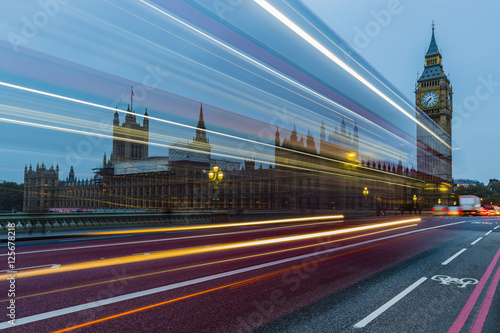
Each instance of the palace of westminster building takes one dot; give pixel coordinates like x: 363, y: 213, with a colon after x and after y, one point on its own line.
x: 330, y: 175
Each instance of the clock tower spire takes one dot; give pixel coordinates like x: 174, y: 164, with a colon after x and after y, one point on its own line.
x: 433, y: 91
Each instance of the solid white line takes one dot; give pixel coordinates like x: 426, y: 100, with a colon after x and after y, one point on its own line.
x: 20, y: 269
x: 489, y: 232
x: 387, y: 305
x: 454, y: 256
x: 111, y: 300
x: 477, y: 240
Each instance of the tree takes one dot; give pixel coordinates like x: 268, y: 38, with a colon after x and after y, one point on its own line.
x: 493, y: 199
x: 478, y: 190
x: 11, y: 196
x: 494, y: 187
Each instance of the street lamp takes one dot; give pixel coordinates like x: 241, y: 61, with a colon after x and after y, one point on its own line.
x: 415, y: 203
x: 216, y: 175
x: 365, y: 193
x: 439, y: 201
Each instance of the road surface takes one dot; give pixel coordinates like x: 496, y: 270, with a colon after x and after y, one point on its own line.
x: 387, y: 274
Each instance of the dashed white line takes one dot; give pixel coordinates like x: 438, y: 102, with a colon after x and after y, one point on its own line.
x: 454, y: 256
x: 498, y: 226
x: 387, y: 305
x: 477, y: 240
x: 489, y: 232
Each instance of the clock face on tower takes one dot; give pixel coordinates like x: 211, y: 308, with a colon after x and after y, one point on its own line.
x: 449, y: 100
x: 430, y: 99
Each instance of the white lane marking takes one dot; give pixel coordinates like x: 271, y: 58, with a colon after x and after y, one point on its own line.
x: 86, y: 239
x: 53, y: 266
x: 387, y: 305
x: 111, y: 300
x: 489, y: 232
x: 498, y: 226
x: 165, y: 240
x: 477, y: 240
x: 43, y: 270
x: 454, y: 256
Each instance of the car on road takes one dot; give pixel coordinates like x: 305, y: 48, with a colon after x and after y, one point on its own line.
x: 487, y: 210
x: 454, y: 210
x: 439, y: 210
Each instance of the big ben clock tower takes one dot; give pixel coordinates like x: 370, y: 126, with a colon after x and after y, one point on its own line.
x: 433, y: 91
x: 434, y: 96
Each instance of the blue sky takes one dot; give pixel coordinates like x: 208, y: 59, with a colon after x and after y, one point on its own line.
x: 94, y: 51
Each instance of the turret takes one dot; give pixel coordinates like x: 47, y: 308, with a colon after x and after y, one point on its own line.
x: 293, y: 136
x: 145, y: 121
x: 201, y: 134
x: 310, y: 144
x: 116, y: 119
x: 322, y: 138
x: 71, y: 177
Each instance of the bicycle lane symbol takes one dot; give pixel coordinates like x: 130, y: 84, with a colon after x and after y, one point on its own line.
x: 447, y: 280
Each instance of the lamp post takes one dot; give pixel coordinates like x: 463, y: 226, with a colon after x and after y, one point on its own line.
x: 415, y: 203
x: 365, y: 193
x: 216, y: 175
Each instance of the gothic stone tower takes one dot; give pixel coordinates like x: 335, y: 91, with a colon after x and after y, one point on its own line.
x: 128, y: 138
x: 434, y: 96
x: 433, y: 91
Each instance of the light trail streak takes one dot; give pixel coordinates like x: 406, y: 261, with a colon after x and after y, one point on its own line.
x: 211, y: 263
x: 245, y: 69
x: 233, y: 285
x: 50, y: 127
x: 52, y: 314
x: 106, y: 136
x: 149, y: 241
x: 317, y: 45
x: 212, y: 226
x: 206, y: 249
x: 141, y: 309
x: 348, y: 55
x: 74, y: 131
x: 243, y: 56
x: 284, y: 77
x: 279, y: 75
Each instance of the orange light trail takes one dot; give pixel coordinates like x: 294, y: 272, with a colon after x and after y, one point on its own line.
x: 230, y: 285
x: 216, y: 226
x: 140, y: 309
x: 203, y: 249
x: 211, y: 263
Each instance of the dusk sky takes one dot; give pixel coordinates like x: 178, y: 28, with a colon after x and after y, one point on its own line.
x: 94, y: 51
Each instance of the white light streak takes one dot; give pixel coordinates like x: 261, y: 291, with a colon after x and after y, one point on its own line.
x: 308, y: 38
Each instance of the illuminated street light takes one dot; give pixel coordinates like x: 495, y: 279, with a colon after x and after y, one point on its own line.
x: 365, y: 193
x: 216, y: 176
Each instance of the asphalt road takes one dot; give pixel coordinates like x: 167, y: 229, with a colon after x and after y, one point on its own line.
x: 366, y: 275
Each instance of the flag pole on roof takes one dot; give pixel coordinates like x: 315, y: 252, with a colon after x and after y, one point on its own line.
x: 131, y: 96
